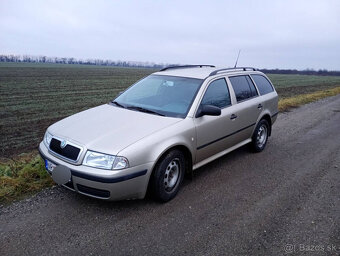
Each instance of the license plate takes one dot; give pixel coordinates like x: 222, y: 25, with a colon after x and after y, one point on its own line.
x: 49, y: 165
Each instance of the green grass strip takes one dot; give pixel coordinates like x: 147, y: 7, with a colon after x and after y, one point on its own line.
x: 295, y: 101
x: 22, y: 176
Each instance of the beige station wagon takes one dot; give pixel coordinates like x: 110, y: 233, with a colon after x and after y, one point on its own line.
x: 162, y: 127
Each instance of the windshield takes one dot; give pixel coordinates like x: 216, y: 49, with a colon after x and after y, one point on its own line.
x: 164, y: 95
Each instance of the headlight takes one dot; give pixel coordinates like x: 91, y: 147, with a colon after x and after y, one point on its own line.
x: 120, y: 163
x: 47, y: 139
x: 104, y: 161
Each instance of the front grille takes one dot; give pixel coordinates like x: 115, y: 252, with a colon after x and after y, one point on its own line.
x: 93, y: 191
x: 69, y: 151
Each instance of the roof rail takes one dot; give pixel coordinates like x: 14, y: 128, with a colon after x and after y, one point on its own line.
x: 232, y: 70
x: 186, y: 66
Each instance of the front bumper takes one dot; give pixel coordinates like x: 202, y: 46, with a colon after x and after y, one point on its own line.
x: 130, y: 183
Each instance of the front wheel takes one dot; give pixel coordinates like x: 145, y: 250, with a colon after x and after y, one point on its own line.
x: 260, y: 136
x: 168, y: 176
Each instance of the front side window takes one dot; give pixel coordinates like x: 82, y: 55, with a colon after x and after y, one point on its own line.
x: 262, y: 84
x: 243, y: 87
x: 217, y: 94
x: 165, y: 95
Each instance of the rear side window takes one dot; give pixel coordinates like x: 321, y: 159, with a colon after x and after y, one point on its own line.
x: 217, y: 94
x: 262, y: 84
x: 243, y: 87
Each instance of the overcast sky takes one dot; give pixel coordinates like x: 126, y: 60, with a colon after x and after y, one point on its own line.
x: 270, y: 34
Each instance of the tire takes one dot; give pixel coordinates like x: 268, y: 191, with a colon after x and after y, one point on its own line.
x: 260, y: 136
x: 168, y: 176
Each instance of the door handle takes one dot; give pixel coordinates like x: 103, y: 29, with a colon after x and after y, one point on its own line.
x: 259, y: 106
x: 233, y: 116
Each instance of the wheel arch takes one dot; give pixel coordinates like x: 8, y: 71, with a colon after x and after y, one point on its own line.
x: 187, y: 156
x: 267, y: 117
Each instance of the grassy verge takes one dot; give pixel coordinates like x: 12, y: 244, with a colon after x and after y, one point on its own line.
x: 25, y: 175
x: 298, y: 100
x: 22, y: 176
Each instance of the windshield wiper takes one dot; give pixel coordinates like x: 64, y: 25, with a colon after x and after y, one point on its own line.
x: 145, y: 110
x: 118, y: 104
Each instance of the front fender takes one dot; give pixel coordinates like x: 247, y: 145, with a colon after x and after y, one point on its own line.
x: 152, y: 147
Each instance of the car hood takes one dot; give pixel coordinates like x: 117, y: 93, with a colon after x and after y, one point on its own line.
x: 109, y: 129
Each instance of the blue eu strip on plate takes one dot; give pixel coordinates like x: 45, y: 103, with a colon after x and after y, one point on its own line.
x: 46, y: 164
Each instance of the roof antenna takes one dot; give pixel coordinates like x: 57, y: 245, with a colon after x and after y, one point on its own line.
x: 239, y: 51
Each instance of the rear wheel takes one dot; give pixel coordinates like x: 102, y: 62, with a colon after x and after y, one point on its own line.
x: 168, y: 176
x: 260, y: 136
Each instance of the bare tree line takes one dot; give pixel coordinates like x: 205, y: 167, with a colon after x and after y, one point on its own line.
x: 63, y: 60
x: 119, y: 63
x: 308, y: 71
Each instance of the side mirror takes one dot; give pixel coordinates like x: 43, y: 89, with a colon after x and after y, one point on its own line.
x: 208, y: 110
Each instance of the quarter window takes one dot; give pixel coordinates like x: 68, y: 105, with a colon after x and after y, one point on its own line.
x: 262, y: 84
x: 243, y: 87
x: 217, y: 94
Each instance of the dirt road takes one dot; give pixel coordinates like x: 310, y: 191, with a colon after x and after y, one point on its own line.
x: 285, y: 199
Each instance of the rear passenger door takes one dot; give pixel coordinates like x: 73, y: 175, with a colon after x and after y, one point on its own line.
x: 248, y: 107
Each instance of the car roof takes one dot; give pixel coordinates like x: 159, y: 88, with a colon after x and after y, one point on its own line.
x: 202, y: 71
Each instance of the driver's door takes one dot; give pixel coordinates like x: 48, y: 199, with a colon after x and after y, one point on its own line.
x: 213, y: 132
